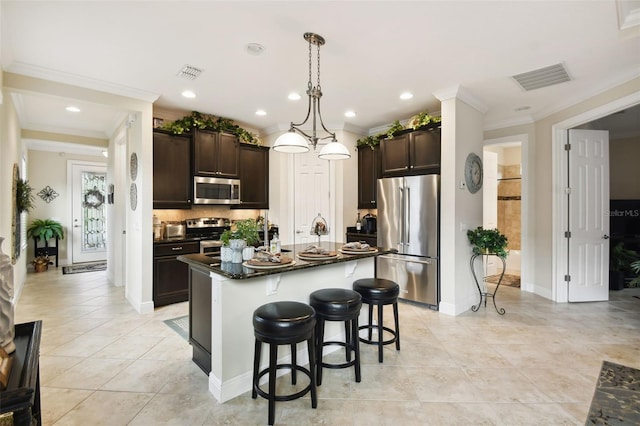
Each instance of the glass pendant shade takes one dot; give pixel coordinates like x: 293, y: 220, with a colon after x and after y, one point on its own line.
x: 334, y: 151
x: 291, y: 143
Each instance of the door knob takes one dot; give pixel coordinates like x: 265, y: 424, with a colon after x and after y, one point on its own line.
x: 605, y: 237
x: 298, y: 232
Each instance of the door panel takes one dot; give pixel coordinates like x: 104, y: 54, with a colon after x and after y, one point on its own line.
x: 390, y: 213
x: 588, y: 221
x: 416, y: 276
x: 311, y: 191
x: 421, y: 211
x: 89, y: 227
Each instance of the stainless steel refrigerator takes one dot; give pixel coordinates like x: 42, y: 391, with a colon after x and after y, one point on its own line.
x: 408, y: 221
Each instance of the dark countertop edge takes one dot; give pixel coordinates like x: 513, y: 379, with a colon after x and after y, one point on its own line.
x: 352, y: 231
x: 208, y: 264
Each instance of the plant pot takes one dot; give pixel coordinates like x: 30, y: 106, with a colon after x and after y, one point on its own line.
x: 40, y: 267
x: 226, y: 254
x: 616, y: 280
x: 248, y: 252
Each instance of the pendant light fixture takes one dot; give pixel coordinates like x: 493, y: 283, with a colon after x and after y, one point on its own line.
x: 296, y: 141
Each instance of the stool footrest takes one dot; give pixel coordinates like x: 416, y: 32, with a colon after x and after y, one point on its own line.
x: 375, y: 342
x: 289, y: 397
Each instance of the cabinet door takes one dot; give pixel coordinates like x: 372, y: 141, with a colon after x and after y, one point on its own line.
x: 394, y: 155
x: 254, y: 177
x: 228, y: 155
x: 172, y: 181
x: 205, y: 153
x: 368, y: 173
x: 170, y: 281
x: 424, y: 151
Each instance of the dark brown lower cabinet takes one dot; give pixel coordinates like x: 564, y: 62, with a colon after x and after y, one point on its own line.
x: 170, y: 276
x: 200, y: 318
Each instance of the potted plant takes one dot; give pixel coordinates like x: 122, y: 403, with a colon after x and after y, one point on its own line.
x: 488, y: 241
x: 41, y: 263
x: 240, y: 239
x: 45, y: 229
x: 620, y: 262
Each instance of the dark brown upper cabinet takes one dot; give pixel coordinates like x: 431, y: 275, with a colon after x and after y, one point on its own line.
x: 172, y: 178
x: 217, y: 154
x: 368, y: 174
x: 254, y: 177
x: 411, y: 153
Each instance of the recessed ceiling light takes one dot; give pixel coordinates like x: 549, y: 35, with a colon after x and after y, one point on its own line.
x: 188, y: 94
x: 255, y: 49
x: 105, y: 153
x: 261, y: 112
x: 350, y: 114
x: 72, y: 108
x: 294, y: 96
x: 406, y: 95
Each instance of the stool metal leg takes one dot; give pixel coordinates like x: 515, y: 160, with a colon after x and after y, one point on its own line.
x: 294, y: 362
x: 256, y: 367
x: 319, y: 339
x: 273, y: 358
x: 370, y: 320
x: 355, y: 341
x: 395, y: 318
x: 380, y: 333
x: 312, y: 363
x: 347, y: 339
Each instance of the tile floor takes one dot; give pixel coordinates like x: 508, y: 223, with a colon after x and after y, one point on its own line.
x: 102, y: 363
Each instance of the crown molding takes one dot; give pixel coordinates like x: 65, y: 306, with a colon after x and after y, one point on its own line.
x: 463, y: 94
x: 81, y: 81
x: 64, y: 147
x: 509, y: 122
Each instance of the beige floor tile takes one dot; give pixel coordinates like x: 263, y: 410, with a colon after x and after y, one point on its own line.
x: 56, y: 402
x: 90, y: 373
x: 106, y: 408
x: 162, y: 409
x: 143, y: 375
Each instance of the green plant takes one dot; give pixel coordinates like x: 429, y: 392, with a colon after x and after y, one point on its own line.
x: 488, y: 241
x: 371, y: 141
x: 395, y: 127
x: 45, y: 229
x: 210, y: 122
x: 635, y: 267
x: 422, y: 119
x: 24, y: 196
x: 621, y: 258
x: 244, y: 229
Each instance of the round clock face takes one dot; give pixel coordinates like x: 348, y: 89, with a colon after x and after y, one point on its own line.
x: 473, y: 173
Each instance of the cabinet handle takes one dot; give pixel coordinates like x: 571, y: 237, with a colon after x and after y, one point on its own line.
x: 176, y: 248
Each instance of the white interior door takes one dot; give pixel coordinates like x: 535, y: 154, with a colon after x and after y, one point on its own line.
x: 490, y: 202
x: 88, y: 207
x: 588, y: 220
x: 311, y: 181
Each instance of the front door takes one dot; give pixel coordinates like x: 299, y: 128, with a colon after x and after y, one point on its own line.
x: 588, y: 221
x: 89, y: 226
x: 311, y: 197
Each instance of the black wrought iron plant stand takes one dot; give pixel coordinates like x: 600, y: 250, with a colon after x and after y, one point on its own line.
x: 487, y: 294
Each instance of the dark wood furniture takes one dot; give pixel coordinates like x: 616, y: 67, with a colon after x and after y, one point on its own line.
x: 170, y: 276
x: 172, y: 177
x: 354, y: 236
x: 46, y: 250
x: 369, y: 170
x: 22, y: 395
x: 217, y: 154
x: 254, y: 177
x: 200, y: 317
x: 411, y: 153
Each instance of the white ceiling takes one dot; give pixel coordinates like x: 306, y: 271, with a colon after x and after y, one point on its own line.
x: 374, y: 51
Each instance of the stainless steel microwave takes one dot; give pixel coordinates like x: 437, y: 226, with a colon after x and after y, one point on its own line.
x: 209, y: 190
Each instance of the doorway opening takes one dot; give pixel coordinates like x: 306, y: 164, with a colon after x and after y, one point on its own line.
x: 502, y: 205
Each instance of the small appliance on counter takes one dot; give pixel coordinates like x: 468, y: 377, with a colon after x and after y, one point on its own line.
x: 173, y: 230
x: 369, y: 224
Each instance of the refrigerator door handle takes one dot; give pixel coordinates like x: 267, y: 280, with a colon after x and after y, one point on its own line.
x: 404, y: 259
x: 402, y: 213
x: 407, y: 213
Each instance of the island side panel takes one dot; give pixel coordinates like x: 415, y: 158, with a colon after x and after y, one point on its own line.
x: 233, y: 304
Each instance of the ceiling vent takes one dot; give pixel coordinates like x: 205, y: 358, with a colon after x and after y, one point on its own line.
x: 543, y: 77
x: 189, y: 72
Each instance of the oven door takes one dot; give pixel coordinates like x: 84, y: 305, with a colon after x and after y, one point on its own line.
x: 210, y: 247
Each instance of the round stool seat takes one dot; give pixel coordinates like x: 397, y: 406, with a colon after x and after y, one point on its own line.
x: 377, y: 290
x: 283, y: 321
x: 338, y: 303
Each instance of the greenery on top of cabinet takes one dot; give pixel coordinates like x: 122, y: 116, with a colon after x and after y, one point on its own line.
x: 210, y: 122
x: 416, y: 122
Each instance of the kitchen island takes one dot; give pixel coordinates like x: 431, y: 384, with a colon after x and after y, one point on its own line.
x: 223, y: 296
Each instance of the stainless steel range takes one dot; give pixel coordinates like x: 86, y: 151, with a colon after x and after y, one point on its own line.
x: 208, y: 231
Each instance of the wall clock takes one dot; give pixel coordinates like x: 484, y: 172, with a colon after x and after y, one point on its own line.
x: 473, y: 173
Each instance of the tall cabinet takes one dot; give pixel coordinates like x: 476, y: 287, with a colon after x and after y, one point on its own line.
x: 368, y: 174
x: 172, y: 177
x: 254, y: 177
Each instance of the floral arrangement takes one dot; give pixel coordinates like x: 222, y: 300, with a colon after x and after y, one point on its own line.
x: 488, y: 241
x: 244, y: 229
x: 415, y: 122
x: 206, y: 121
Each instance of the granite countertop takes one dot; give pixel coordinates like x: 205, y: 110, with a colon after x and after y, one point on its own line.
x: 239, y: 271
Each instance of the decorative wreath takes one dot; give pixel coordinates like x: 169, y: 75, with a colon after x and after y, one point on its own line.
x: 93, y: 198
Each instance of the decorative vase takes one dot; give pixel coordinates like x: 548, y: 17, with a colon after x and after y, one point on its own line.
x: 40, y: 267
x: 248, y: 252
x: 226, y: 254
x: 7, y: 331
x: 237, y: 246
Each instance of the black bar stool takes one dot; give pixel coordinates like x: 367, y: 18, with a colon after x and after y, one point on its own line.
x: 379, y: 292
x: 283, y: 323
x: 337, y: 304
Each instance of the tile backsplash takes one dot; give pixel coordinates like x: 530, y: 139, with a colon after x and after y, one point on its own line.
x: 179, y: 215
